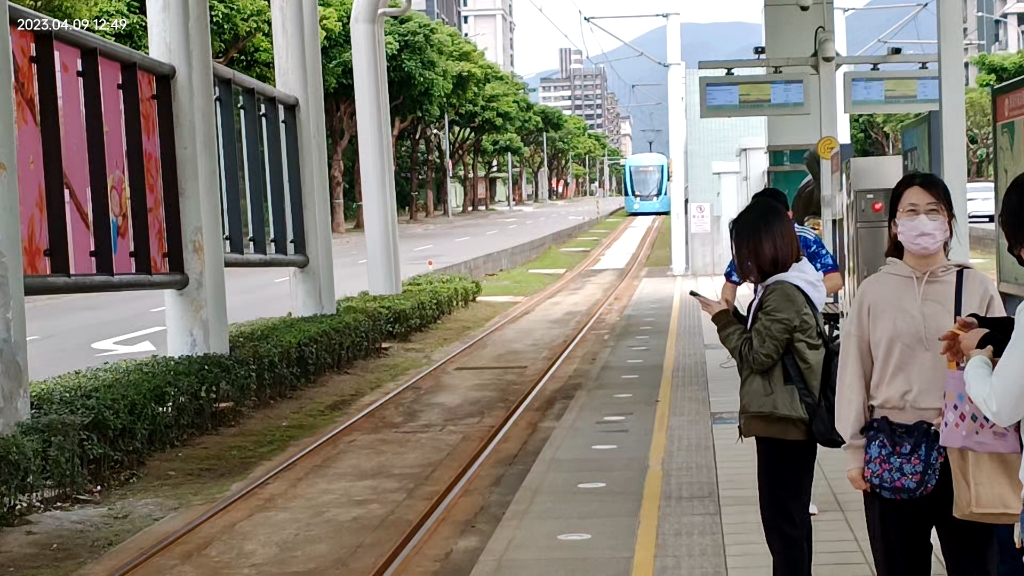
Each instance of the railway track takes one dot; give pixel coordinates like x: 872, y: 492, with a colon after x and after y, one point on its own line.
x: 424, y: 523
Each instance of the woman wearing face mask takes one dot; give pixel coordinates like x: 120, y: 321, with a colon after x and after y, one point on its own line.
x: 890, y: 368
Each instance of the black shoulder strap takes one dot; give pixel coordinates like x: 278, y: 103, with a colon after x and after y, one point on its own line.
x: 817, y: 313
x: 958, y: 298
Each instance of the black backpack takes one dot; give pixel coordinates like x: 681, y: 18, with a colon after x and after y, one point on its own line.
x: 821, y: 409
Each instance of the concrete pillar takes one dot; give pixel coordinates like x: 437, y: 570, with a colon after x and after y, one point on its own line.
x: 953, y: 120
x: 197, y: 317
x: 789, y: 33
x: 298, y: 71
x: 729, y: 175
x: 677, y: 144
x: 14, y: 403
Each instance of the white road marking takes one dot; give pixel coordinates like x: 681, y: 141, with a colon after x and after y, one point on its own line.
x: 529, y: 221
x: 362, y: 261
x: 285, y: 279
x: 492, y: 232
x: 160, y: 309
x: 616, y: 257
x: 613, y: 418
x: 111, y: 344
x: 461, y: 239
x: 629, y: 376
x: 634, y: 361
x: 513, y: 226
x: 32, y: 338
x: 422, y: 247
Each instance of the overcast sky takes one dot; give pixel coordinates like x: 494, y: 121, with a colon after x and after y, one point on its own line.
x: 538, y: 40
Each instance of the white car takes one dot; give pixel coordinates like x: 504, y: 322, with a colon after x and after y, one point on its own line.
x: 981, y: 201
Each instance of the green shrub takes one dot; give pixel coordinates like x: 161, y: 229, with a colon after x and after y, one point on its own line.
x: 98, y: 425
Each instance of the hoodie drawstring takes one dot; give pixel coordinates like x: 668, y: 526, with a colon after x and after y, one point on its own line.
x: 919, y: 292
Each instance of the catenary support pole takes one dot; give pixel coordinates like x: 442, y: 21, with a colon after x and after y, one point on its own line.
x: 677, y: 145
x: 447, y: 167
x: 376, y: 156
x: 14, y: 401
x: 298, y: 71
x: 196, y: 316
x: 547, y: 178
x: 828, y: 97
x: 953, y: 120
x: 842, y: 118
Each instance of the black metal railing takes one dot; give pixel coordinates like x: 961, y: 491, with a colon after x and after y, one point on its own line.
x: 96, y: 136
x: 260, y: 183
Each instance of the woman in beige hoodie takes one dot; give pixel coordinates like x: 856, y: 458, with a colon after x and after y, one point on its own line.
x: 889, y: 366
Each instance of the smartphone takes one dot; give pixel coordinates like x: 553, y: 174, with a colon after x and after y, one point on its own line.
x: 698, y: 295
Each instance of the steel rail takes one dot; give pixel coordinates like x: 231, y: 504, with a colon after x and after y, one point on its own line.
x: 429, y: 519
x: 163, y: 544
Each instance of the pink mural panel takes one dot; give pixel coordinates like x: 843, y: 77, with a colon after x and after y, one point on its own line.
x: 154, y: 181
x: 74, y: 152
x: 32, y: 197
x: 117, y: 191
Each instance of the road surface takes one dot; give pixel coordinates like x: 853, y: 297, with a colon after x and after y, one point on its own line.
x: 71, y: 332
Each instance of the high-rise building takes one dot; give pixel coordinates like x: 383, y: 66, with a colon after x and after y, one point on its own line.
x: 581, y: 92
x: 490, y: 25
x: 626, y: 135
x: 447, y: 11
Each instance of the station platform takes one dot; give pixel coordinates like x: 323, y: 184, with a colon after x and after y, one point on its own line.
x: 645, y: 474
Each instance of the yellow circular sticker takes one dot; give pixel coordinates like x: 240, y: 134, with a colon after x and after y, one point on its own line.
x: 827, y: 146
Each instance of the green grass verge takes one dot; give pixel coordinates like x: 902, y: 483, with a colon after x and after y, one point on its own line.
x: 521, y: 282
x: 661, y: 253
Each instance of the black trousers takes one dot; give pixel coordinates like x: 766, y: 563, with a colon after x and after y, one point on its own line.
x: 785, y: 472
x: 900, y: 533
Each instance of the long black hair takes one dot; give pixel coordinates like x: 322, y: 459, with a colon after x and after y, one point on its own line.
x: 1011, y: 216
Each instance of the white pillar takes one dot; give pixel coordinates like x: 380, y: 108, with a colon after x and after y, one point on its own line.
x: 197, y: 317
x: 14, y: 403
x: 373, y: 114
x: 677, y: 144
x: 843, y: 119
x: 298, y: 71
x: 828, y: 98
x: 953, y: 121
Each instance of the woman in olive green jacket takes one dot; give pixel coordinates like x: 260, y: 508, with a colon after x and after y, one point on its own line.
x: 783, y: 318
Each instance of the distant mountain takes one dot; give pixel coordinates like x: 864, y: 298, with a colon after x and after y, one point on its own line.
x: 718, y: 41
x: 736, y: 40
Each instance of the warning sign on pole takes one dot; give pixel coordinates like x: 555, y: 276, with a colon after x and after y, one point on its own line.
x: 700, y: 218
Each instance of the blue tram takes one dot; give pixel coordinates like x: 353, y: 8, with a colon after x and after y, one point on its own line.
x: 646, y: 178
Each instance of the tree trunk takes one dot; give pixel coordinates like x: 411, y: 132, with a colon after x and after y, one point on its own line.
x: 467, y: 180
x: 476, y: 179
x: 359, y: 196
x: 414, y: 173
x: 431, y: 183
x: 536, y: 185
x: 521, y: 184
x: 341, y: 134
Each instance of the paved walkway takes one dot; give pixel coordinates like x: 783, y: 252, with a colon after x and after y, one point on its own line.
x: 645, y: 474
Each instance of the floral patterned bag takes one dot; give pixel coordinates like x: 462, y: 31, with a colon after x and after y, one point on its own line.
x: 901, y: 461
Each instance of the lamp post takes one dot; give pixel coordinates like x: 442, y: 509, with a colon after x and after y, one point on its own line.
x: 1020, y: 34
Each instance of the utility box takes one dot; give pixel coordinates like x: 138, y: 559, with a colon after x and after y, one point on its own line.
x: 867, y: 184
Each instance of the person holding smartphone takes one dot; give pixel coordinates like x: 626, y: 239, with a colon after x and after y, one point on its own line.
x: 783, y: 319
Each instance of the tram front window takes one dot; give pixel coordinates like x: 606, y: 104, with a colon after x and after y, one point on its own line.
x: 646, y: 182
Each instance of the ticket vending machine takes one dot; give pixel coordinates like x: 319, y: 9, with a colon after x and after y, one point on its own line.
x: 867, y: 184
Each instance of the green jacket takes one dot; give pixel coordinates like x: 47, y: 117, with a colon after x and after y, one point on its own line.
x: 769, y: 406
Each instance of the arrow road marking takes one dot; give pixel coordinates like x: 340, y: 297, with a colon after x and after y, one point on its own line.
x: 112, y: 345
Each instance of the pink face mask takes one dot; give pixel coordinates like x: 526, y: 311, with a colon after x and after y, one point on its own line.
x: 922, y: 236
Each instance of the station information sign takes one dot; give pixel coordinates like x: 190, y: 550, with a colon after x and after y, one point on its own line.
x: 762, y: 95
x: 889, y: 92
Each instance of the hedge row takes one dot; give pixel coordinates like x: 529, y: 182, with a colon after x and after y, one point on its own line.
x: 98, y: 425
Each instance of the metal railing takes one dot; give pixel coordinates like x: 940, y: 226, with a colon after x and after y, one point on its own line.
x: 97, y: 170
x: 259, y: 121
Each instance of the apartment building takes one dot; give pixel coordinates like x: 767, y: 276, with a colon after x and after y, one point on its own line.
x: 626, y: 135
x: 1009, y: 23
x: 489, y: 23
x: 581, y: 92
x: 447, y: 11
